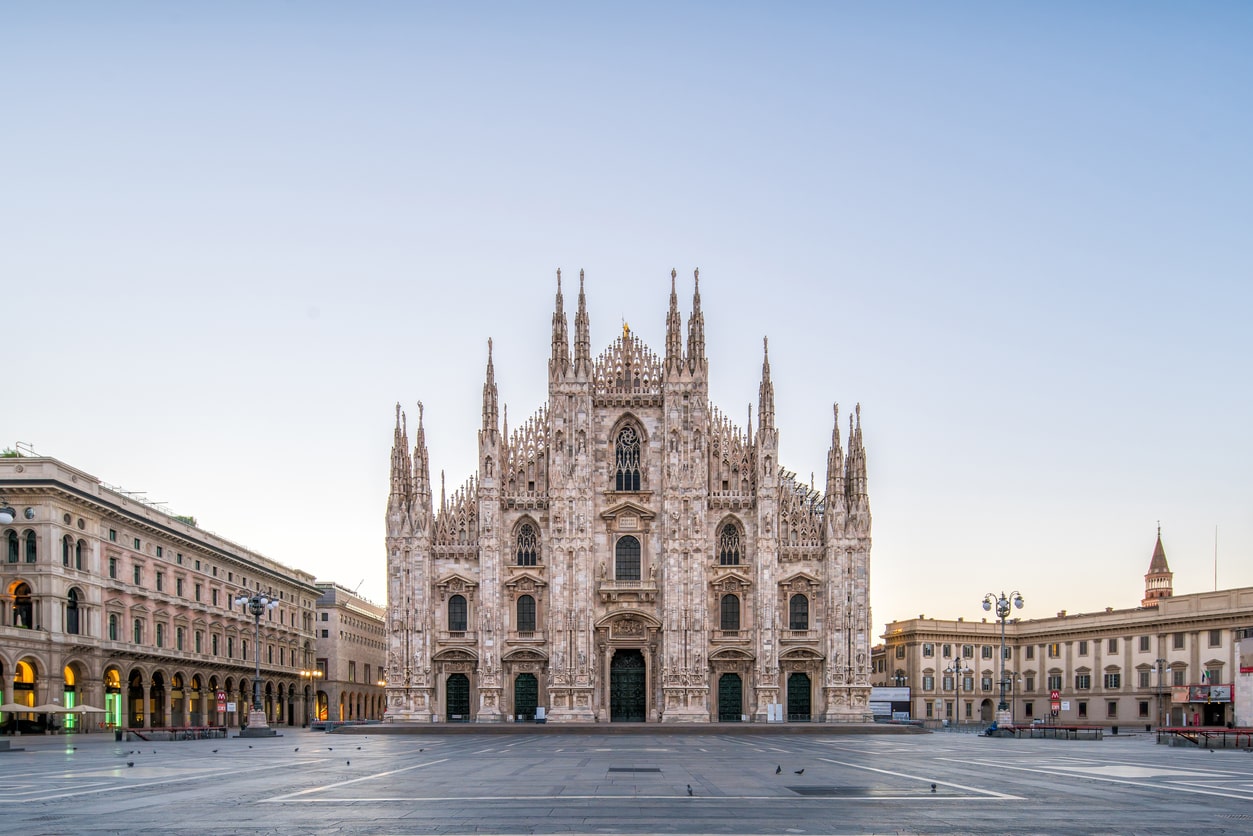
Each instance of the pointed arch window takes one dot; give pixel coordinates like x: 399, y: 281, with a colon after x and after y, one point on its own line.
x: 627, y: 460
x: 526, y: 614
x: 730, y: 613
x: 729, y: 546
x: 72, y: 612
x: 527, y: 545
x: 798, y: 613
x: 457, y: 614
x: 626, y: 565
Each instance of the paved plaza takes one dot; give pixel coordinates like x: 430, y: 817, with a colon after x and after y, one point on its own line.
x: 598, y: 783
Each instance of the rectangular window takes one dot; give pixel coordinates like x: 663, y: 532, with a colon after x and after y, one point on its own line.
x: 1029, y: 683
x: 1144, y: 708
x: 968, y: 651
x: 160, y: 635
x: 215, y: 597
x: 1144, y: 644
x: 947, y: 683
x: 178, y: 558
x: 1083, y: 709
x: 326, y: 617
x: 243, y: 648
x: 1083, y: 648
x: 928, y: 649
x: 1028, y: 708
x: 1083, y: 681
x: 160, y: 581
x: 1144, y: 678
x: 1178, y: 676
x: 1113, y: 645
x: 1215, y: 638
x: 160, y: 551
x: 230, y: 647
x: 138, y: 631
x: 900, y: 651
x: 197, y: 593
x: 1113, y: 680
x: 1177, y: 640
x: 985, y: 683
x: 968, y: 683
x: 1031, y: 651
x: 326, y: 634
x: 1213, y: 676
x: 1111, y: 708
x: 112, y: 535
x: 930, y: 711
x: 352, y: 671
x: 947, y: 651
x: 928, y: 683
x: 367, y: 679
x: 199, y: 641
x: 1055, y: 682
x: 138, y: 575
x: 1055, y: 650
x: 986, y: 651
x: 136, y: 544
x: 113, y: 568
x: 215, y: 645
x: 178, y: 638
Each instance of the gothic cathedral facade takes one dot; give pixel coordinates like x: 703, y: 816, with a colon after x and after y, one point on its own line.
x: 629, y: 554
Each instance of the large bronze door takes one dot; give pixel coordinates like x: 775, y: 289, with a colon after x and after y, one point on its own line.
x: 627, y: 702
x: 457, y: 690
x: 798, y: 707
x: 730, y: 698
x: 525, y: 696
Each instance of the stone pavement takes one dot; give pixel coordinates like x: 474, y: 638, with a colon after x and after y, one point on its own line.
x: 595, y: 782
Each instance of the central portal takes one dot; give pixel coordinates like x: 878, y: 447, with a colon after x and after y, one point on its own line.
x: 627, y: 700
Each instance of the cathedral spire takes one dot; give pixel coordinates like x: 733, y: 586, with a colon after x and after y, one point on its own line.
x: 582, y: 342
x: 421, y: 471
x: 490, y: 409
x: 560, y: 362
x: 696, y: 330
x: 855, y: 470
x: 674, y: 330
x: 835, y: 462
x: 765, y: 397
x: 401, y: 497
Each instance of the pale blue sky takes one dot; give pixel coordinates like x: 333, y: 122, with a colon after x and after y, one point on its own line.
x: 232, y: 236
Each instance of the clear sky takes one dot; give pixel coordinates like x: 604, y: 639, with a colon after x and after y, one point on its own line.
x: 234, y: 235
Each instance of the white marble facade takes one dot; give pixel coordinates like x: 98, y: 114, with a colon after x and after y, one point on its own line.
x: 628, y: 553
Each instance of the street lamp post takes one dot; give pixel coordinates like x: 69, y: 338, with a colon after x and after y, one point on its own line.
x: 1002, y: 603
x: 257, y: 725
x: 309, y: 675
x: 957, y: 672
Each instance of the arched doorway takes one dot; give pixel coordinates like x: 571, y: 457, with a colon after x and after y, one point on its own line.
x: 69, y: 698
x: 24, y: 683
x: 627, y: 699
x: 730, y: 698
x: 525, y: 697
x: 135, y: 700
x: 113, y: 698
x: 457, y: 698
x: 156, y: 701
x: 177, y: 701
x: 985, y: 711
x: 798, y: 698
x: 195, y: 701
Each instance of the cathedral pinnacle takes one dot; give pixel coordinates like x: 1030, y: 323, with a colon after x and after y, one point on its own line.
x: 674, y: 330
x: 490, y: 409
x: 582, y: 342
x: 696, y: 330
x: 765, y: 398
x: 559, y: 364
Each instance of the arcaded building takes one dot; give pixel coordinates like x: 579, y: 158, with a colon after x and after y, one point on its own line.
x: 628, y: 552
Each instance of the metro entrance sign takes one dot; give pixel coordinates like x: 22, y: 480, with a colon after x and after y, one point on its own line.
x: 1055, y: 701
x: 221, y: 700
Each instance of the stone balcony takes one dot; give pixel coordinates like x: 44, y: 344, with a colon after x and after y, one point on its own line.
x: 619, y: 592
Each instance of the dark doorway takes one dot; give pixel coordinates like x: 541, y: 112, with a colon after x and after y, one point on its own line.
x: 135, y: 699
x: 457, y: 691
x: 626, y: 687
x: 798, y: 705
x: 730, y: 698
x: 525, y: 697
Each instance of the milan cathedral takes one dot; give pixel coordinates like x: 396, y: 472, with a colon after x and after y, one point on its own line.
x: 629, y: 554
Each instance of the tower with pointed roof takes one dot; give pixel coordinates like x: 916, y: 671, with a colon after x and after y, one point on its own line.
x: 629, y: 553
x: 1159, y: 580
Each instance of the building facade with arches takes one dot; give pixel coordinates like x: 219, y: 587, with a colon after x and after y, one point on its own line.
x: 113, y: 603
x: 628, y: 553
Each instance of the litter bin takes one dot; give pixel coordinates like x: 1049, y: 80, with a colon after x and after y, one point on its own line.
x: 117, y: 735
x: 1114, y: 730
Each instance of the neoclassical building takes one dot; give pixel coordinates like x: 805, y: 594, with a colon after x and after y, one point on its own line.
x: 629, y: 553
x: 115, y: 603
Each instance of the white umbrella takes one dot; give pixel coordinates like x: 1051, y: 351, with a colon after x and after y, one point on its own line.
x: 86, y: 709
x: 12, y: 706
x: 48, y: 708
